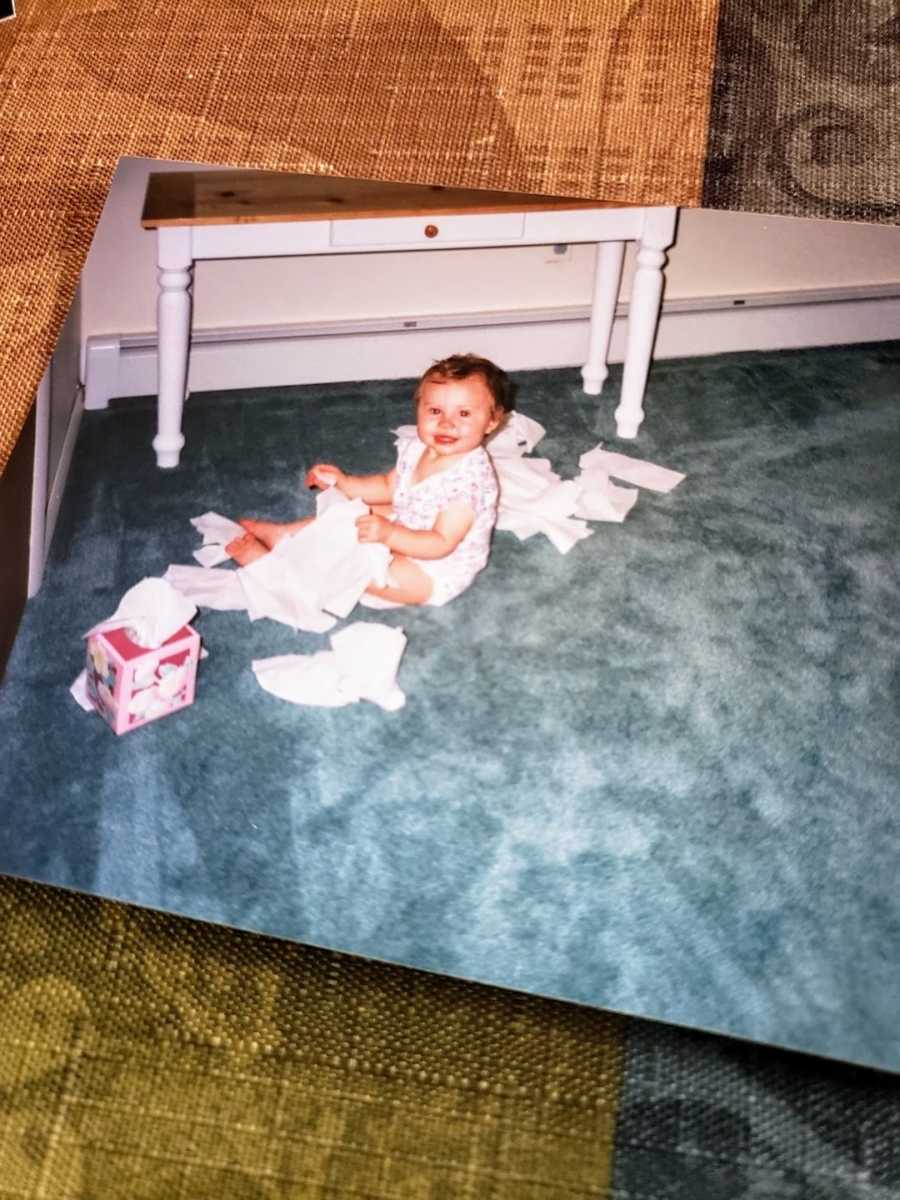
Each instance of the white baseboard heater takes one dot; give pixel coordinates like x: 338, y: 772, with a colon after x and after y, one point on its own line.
x: 120, y: 365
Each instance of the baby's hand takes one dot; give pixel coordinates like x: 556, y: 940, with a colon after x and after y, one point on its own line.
x: 323, y: 475
x: 372, y: 528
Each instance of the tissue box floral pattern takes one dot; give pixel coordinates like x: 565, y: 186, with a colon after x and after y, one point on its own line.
x: 130, y: 685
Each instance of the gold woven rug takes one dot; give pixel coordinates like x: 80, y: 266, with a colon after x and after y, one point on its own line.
x: 729, y: 103
x: 149, y: 1057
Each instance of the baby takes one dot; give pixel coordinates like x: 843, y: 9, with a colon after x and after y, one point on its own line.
x: 436, y: 510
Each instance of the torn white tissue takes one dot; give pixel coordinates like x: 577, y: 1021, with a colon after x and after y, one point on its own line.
x: 151, y: 611
x: 79, y: 691
x: 599, y: 499
x: 534, y: 500
x: 208, y: 587
x: 271, y: 588
x: 323, y: 568
x: 328, y: 498
x: 523, y: 478
x: 369, y: 653
x: 304, y: 679
x: 217, y: 531
x: 518, y: 435
x: 362, y: 665
x: 631, y: 470
x: 308, y: 578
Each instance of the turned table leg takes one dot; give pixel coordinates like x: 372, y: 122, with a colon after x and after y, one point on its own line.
x: 643, y: 317
x: 173, y: 318
x: 607, y: 277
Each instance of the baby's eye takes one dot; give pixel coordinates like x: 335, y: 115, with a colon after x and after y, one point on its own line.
x: 464, y: 412
x: 434, y: 412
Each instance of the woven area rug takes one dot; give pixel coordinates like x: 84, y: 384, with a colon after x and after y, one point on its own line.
x: 789, y: 108
x: 147, y: 1057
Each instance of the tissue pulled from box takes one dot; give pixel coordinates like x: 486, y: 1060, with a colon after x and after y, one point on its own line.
x: 150, y: 612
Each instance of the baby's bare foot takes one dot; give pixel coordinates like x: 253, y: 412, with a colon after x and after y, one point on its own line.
x: 269, y: 533
x: 246, y: 549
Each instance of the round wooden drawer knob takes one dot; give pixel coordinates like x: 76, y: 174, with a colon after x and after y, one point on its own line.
x: 431, y: 230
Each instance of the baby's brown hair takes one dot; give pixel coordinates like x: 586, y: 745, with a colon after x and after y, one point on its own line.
x: 461, y: 366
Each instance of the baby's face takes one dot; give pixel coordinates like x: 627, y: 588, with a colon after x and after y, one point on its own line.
x: 454, y: 416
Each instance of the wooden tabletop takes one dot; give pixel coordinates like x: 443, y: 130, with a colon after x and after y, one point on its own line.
x: 247, y: 197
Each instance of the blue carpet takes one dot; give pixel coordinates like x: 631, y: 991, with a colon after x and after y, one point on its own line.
x: 658, y: 775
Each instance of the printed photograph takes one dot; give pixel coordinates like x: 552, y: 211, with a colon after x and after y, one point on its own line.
x: 448, y: 629
x: 497, y: 558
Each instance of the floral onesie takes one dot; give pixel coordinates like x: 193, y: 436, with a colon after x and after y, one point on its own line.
x: 416, y: 505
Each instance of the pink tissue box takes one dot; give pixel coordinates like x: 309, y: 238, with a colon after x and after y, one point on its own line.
x: 130, y: 685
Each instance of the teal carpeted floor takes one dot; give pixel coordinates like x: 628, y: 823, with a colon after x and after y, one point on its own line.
x: 658, y: 775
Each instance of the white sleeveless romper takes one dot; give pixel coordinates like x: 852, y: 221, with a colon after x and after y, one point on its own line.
x: 472, y: 481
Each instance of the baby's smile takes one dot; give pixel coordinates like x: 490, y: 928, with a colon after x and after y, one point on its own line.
x: 454, y: 414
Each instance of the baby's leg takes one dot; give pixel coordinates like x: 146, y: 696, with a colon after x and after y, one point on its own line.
x: 271, y: 532
x: 260, y: 537
x: 409, y: 583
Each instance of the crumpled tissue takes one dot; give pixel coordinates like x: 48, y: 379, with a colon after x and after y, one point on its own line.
x: 150, y: 612
x: 599, y: 499
x: 79, y: 692
x: 208, y: 587
x: 361, y: 665
x: 533, y: 498
x: 631, y: 470
x: 306, y: 581
x: 217, y: 531
x: 518, y: 435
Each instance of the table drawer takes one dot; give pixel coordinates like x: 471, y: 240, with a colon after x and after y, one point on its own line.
x: 428, y: 231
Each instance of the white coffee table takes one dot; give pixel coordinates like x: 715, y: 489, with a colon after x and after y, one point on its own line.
x: 256, y: 214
